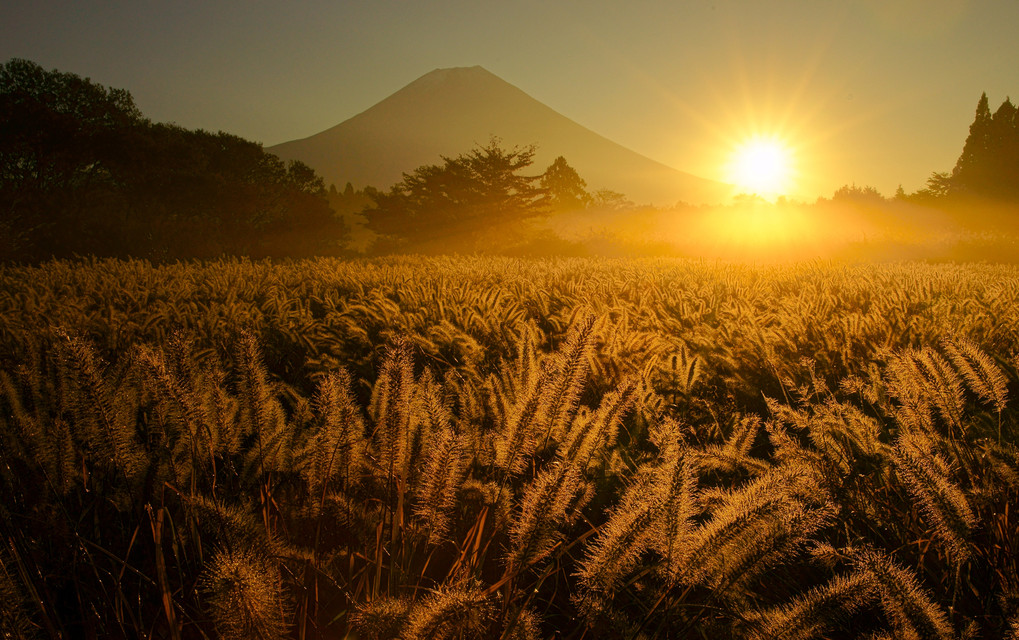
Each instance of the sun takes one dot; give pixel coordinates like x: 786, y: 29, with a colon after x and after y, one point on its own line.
x: 761, y: 166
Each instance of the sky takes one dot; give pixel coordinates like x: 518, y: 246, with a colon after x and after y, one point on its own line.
x: 872, y: 93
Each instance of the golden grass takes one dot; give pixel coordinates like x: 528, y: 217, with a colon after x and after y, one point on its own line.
x: 488, y: 447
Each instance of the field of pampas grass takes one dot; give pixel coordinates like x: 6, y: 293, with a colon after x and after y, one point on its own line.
x: 501, y: 448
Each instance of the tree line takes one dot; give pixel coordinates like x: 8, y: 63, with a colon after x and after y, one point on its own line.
x: 82, y: 171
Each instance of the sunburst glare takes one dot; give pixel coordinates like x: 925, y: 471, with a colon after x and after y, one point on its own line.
x: 761, y: 165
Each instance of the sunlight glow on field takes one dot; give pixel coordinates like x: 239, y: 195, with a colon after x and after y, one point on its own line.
x: 756, y: 228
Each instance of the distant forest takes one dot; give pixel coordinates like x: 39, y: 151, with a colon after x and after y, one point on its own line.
x: 83, y: 172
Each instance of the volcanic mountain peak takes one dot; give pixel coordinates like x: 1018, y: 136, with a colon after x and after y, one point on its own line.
x: 449, y: 111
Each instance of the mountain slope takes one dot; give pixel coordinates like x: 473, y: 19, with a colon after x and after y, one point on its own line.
x: 448, y: 111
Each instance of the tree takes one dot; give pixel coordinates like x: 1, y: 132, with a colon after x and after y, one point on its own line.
x: 564, y: 189
x: 609, y: 200
x: 971, y: 164
x: 467, y: 202
x: 1003, y: 159
x: 989, y: 164
x: 939, y: 184
x: 350, y: 202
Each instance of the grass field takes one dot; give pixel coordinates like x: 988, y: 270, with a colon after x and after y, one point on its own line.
x: 502, y: 448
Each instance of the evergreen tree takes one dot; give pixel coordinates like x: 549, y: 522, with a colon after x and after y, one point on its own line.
x: 564, y: 189
x: 989, y: 164
x: 974, y: 151
x: 1004, y: 169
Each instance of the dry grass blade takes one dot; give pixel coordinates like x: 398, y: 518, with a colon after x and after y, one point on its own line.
x: 619, y: 546
x: 262, y: 416
x: 755, y: 527
x: 545, y: 505
x: 381, y: 619
x: 244, y: 596
x: 981, y: 373
x: 926, y: 475
x: 441, y: 478
x: 335, y: 451
x: 945, y: 387
x: 392, y: 411
x: 815, y: 612
x: 909, y: 608
x: 100, y: 410
x: 450, y: 613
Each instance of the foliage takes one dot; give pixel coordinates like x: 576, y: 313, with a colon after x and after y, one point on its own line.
x: 987, y: 167
x: 483, y: 447
x: 853, y: 193
x: 82, y: 172
x: 563, y: 188
x: 349, y: 202
x: 472, y: 200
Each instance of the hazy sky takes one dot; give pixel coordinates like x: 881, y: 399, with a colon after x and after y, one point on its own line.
x: 876, y: 93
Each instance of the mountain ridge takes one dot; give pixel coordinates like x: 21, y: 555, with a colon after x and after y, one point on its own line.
x: 450, y: 110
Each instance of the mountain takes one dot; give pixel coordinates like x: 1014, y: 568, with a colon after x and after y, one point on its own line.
x: 449, y: 111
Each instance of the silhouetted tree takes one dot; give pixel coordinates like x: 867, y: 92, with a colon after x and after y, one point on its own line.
x: 350, y: 201
x: 59, y: 136
x: 970, y: 167
x: 853, y: 193
x: 609, y: 200
x: 939, y: 184
x: 1003, y: 159
x: 989, y: 164
x: 474, y: 201
x: 564, y: 189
